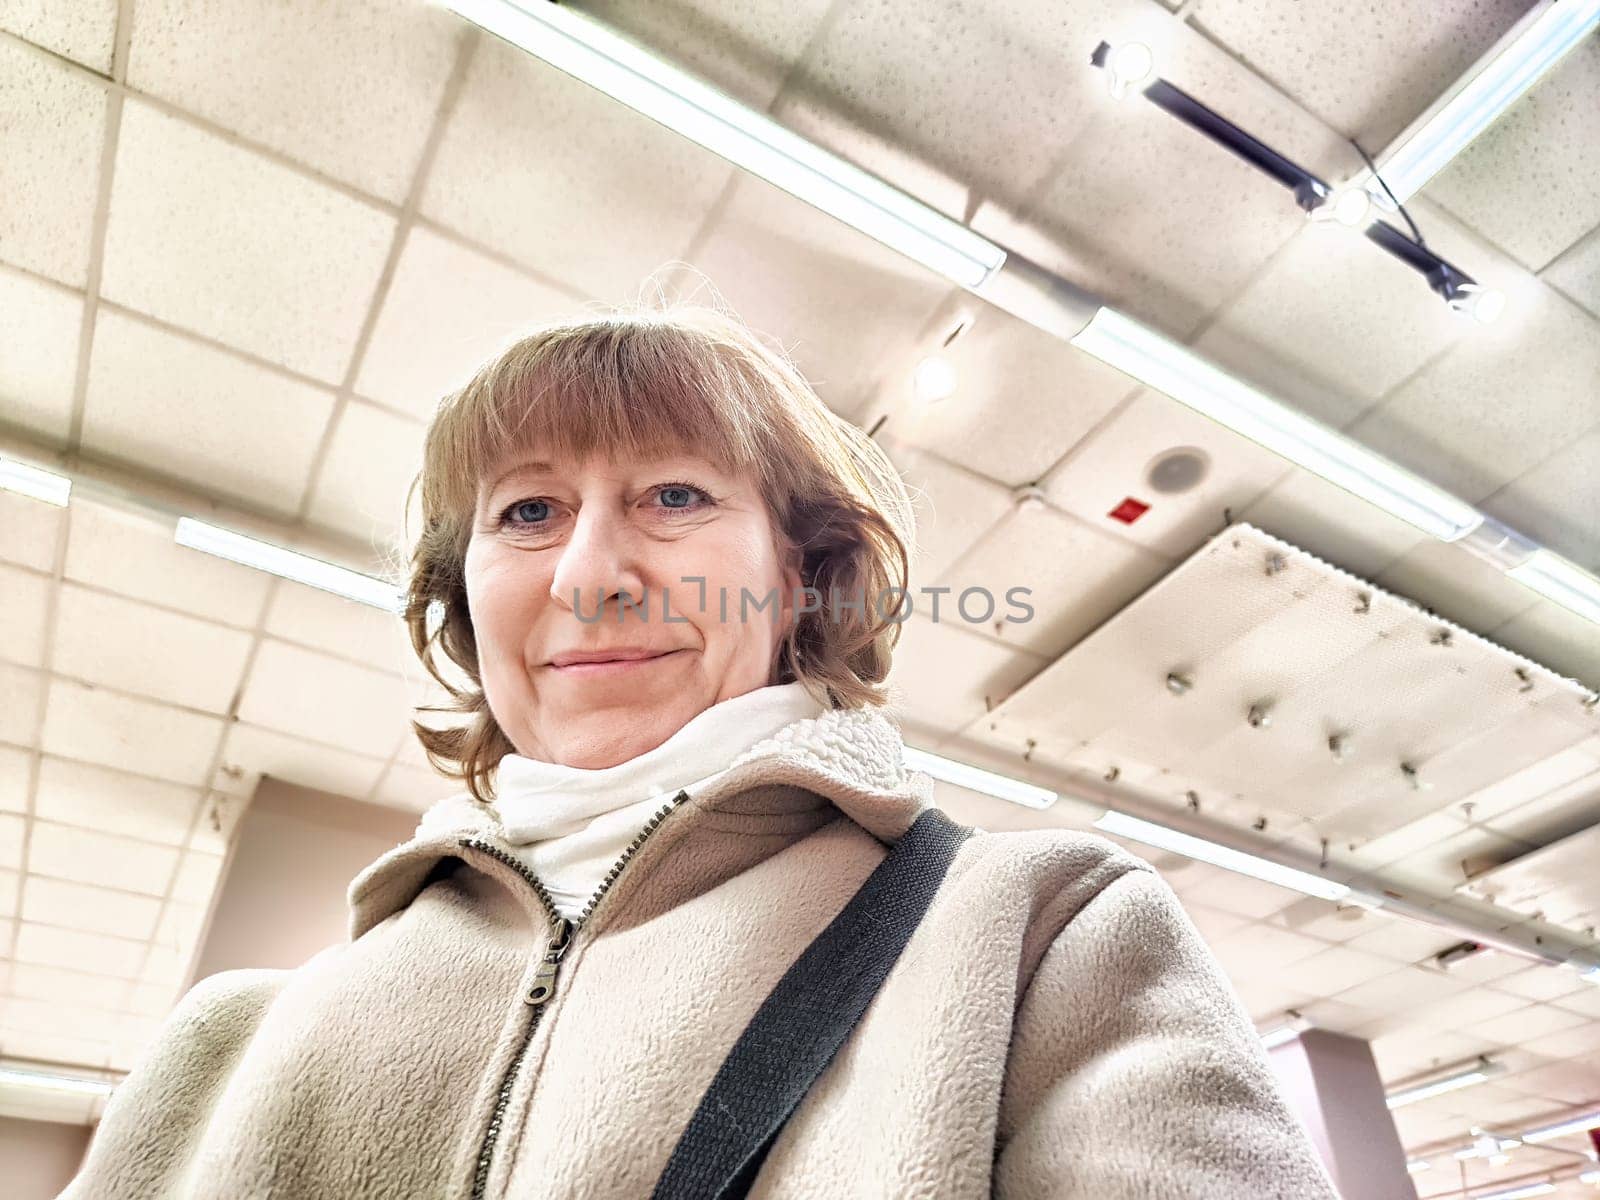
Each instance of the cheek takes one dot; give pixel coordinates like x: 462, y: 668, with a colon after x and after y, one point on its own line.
x: 503, y: 598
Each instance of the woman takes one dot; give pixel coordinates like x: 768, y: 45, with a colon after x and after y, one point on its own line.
x: 668, y: 796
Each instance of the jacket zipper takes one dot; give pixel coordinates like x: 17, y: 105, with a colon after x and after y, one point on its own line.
x: 545, y: 973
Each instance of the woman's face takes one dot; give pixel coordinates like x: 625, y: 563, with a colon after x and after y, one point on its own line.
x: 605, y: 598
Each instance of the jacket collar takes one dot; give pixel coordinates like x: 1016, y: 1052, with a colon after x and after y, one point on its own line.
x: 850, y: 758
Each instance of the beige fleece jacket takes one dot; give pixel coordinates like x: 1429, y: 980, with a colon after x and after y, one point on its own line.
x: 1055, y: 1027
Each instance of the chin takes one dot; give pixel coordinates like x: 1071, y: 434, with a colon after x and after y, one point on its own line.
x: 605, y: 739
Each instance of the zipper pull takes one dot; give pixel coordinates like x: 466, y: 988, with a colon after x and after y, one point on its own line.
x: 544, y: 975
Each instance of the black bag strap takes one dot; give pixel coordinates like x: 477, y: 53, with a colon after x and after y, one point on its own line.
x: 806, y: 1018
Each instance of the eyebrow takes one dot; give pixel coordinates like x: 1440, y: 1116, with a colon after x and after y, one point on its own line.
x: 517, y: 469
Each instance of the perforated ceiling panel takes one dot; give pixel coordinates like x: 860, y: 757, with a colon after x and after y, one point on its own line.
x: 1369, y: 712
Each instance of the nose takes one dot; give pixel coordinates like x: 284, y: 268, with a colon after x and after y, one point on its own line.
x: 598, y: 565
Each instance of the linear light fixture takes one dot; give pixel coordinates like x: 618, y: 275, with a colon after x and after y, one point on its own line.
x: 1164, y: 838
x: 1175, y: 370
x: 34, y: 482
x: 1284, y: 1032
x: 287, y: 564
x: 1421, y: 153
x: 990, y: 783
x: 43, y: 1081
x: 1555, y: 578
x: 1416, y: 1166
x: 1518, y: 1193
x: 1548, y: 1133
x: 647, y: 84
x: 1479, y: 1071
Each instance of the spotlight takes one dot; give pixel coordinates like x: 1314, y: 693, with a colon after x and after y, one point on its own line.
x: 934, y: 379
x: 1350, y: 207
x: 1126, y: 66
x: 1484, y: 304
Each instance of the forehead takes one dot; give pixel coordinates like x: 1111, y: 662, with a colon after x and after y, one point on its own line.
x: 534, y: 461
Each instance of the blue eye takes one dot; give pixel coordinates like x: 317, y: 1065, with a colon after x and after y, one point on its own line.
x: 676, y: 496
x: 528, y: 512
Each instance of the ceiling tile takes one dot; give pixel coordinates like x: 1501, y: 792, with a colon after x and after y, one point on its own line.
x: 53, y: 983
x: 1214, y: 924
x: 1331, y: 523
x: 294, y: 290
x: 953, y: 506
x: 75, y: 793
x: 1330, y: 922
x: 83, y: 31
x: 1114, y: 463
x: 1577, y: 272
x: 312, y: 617
x: 25, y: 601
x: 1541, y: 983
x: 88, y: 856
x: 79, y: 951
x: 1023, y: 399
x: 148, y: 651
x: 744, y: 50
x: 945, y: 676
x: 902, y: 99
x: 1078, y: 577
x: 362, y: 486
x: 94, y: 909
x: 1403, y: 990
x: 16, y: 773
x: 163, y: 965
x: 29, y: 530
x: 1555, y: 502
x: 1579, y: 1041
x: 12, y: 828
x: 324, y: 699
x: 1367, y: 70
x: 39, y: 327
x: 813, y: 284
x: 262, y: 752
x: 1585, y: 1002
x: 349, y: 89
x: 1332, y: 325
x: 150, y: 1000
x: 1404, y: 941
x: 1451, y: 424
x: 177, y: 407
x: 52, y: 124
x: 448, y: 311
x: 135, y: 735
x: 1337, y: 969
x: 1519, y: 1026
x: 1242, y: 895
x: 1258, y: 949
x: 137, y: 557
x: 1526, y: 181
x: 1120, y: 215
x: 533, y: 162
x: 19, y: 715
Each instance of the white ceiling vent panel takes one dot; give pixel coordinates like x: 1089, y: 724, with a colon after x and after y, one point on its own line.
x: 1274, y: 685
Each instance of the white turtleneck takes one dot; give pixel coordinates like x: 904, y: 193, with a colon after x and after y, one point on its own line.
x: 570, y: 824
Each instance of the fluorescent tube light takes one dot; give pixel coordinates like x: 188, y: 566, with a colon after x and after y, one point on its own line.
x: 1002, y: 787
x: 1189, y: 379
x: 589, y: 52
x: 46, y: 1082
x: 1554, y: 578
x: 275, y: 560
x: 1549, y: 1133
x: 1416, y: 1166
x: 1481, y: 1070
x: 35, y: 483
x: 1424, y: 152
x: 1518, y: 1193
x: 1164, y: 838
x: 1284, y: 1033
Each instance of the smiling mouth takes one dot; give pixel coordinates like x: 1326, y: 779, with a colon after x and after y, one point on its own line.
x: 625, y: 662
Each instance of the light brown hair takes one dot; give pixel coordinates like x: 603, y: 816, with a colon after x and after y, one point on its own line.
x: 645, y: 384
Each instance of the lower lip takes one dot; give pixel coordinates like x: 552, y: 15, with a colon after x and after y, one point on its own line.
x: 614, y: 666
